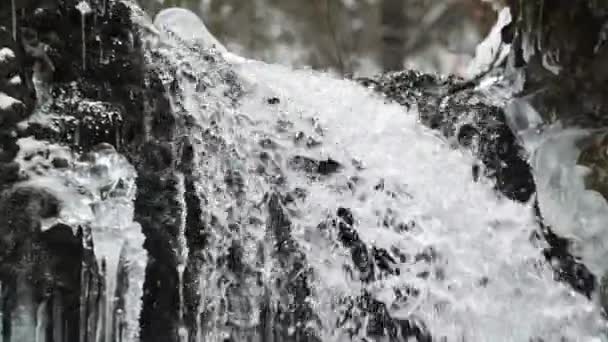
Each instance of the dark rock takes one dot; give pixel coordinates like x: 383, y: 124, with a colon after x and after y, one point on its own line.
x: 273, y: 101
x: 298, y: 314
x: 314, y: 167
x: 567, y: 268
x: 60, y: 163
x: 9, y: 172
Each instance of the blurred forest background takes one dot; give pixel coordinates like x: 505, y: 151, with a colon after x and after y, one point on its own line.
x: 352, y: 37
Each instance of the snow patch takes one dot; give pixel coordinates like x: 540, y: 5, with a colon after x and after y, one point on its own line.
x: 187, y: 26
x: 6, y: 55
x: 15, y: 80
x: 7, y: 102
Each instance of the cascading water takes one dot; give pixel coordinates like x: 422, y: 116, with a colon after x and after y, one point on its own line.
x: 300, y: 207
x: 318, y: 195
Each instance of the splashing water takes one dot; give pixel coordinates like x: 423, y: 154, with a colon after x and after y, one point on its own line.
x: 270, y: 135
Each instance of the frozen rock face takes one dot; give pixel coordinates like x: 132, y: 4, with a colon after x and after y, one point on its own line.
x: 595, y: 156
x: 59, y: 202
x: 559, y: 50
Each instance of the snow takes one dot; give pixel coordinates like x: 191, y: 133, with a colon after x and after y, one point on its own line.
x: 6, y: 55
x: 15, y: 80
x: 7, y: 102
x: 188, y: 26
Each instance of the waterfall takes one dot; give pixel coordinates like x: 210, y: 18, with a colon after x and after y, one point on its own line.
x: 316, y: 235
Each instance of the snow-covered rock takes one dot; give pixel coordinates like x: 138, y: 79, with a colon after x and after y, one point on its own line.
x: 187, y: 26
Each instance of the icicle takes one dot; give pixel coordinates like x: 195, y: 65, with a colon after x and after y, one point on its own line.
x: 23, y: 317
x: 84, y: 294
x: 110, y: 296
x: 102, y: 308
x: 100, y: 49
x: 14, y: 19
x: 93, y: 307
x: 1, y: 315
x: 57, y: 316
x: 182, y: 260
x: 41, y: 322
x: 84, y: 44
x: 77, y: 134
x: 84, y: 9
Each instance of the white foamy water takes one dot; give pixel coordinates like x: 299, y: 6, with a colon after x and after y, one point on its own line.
x: 487, y: 281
